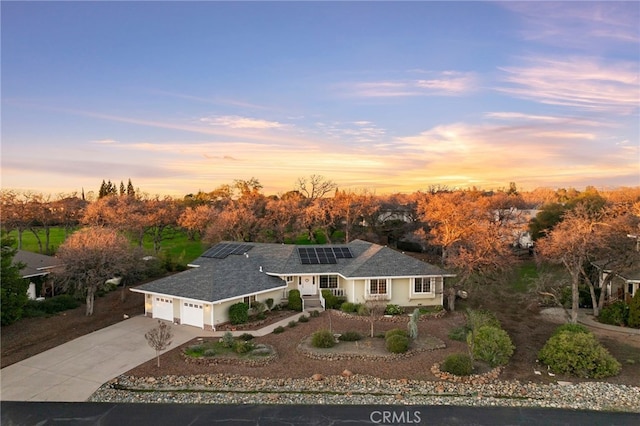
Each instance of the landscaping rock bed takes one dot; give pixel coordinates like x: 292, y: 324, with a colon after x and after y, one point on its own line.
x: 360, y: 389
x: 473, y: 379
x: 358, y: 350
x: 247, y: 360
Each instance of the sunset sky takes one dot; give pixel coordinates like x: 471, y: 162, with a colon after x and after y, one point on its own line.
x: 389, y: 97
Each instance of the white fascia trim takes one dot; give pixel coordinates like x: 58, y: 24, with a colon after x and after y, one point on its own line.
x: 218, y: 302
x: 172, y: 296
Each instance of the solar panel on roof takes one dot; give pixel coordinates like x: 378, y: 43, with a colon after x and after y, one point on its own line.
x: 342, y: 252
x: 222, y: 250
x: 316, y: 255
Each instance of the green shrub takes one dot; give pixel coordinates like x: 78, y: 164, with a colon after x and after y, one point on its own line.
x: 615, y: 314
x: 242, y: 347
x: 480, y: 318
x: 579, y: 355
x: 209, y: 352
x: 396, y: 331
x: 246, y: 336
x: 303, y: 318
x: 633, y: 320
x: 350, y: 336
x: 458, y: 364
x: 50, y: 306
x: 269, y: 303
x: 292, y: 324
x: 459, y: 333
x: 490, y: 344
x: 315, y: 314
x: 227, y: 340
x: 295, y: 301
x: 332, y: 301
x: 397, y: 343
x: 323, y: 339
x: 362, y: 310
x: 571, y: 328
x: 194, y: 350
x: 393, y: 310
x: 258, y: 307
x: 279, y: 329
x: 349, y: 307
x: 239, y: 313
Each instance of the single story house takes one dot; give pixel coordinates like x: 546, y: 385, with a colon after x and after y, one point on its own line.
x: 232, y: 272
x: 36, y: 268
x: 619, y: 285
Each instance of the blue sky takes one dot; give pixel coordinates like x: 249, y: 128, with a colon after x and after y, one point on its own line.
x: 384, y: 96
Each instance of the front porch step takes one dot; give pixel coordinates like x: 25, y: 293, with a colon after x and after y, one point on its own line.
x: 311, y: 302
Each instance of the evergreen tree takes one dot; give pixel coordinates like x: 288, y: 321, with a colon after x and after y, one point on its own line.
x: 103, y: 189
x: 121, y: 188
x: 13, y: 288
x: 130, y: 191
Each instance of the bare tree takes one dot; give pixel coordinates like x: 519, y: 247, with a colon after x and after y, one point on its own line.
x: 90, y: 257
x: 375, y: 305
x: 315, y: 186
x: 159, y: 338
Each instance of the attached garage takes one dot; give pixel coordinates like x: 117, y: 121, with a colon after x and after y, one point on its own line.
x: 192, y: 314
x: 163, y: 308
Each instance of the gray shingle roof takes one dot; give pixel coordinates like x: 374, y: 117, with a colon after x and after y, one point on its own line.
x: 240, y: 275
x: 35, y: 264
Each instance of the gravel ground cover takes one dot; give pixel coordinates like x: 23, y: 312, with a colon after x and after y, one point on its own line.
x: 224, y: 389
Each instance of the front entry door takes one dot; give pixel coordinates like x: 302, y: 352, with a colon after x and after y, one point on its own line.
x: 307, y: 286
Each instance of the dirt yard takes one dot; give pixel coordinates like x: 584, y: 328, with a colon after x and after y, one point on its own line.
x: 527, y: 328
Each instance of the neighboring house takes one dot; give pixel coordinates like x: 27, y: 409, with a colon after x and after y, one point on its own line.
x: 518, y: 221
x: 37, y: 267
x: 231, y: 272
x: 622, y: 285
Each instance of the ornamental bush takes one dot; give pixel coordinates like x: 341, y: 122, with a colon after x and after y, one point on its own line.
x: 362, y: 310
x: 303, y: 318
x: 393, y: 310
x: 239, y: 313
x: 397, y: 343
x: 350, y: 336
x: 227, y: 340
x: 615, y: 314
x: 458, y: 364
x: 349, y: 307
x: 490, y: 344
x: 279, y: 329
x: 295, y: 301
x: 243, y: 346
x: 332, y: 301
x: 323, y: 339
x: 634, y: 311
x: 578, y: 354
x: 571, y: 328
x: 480, y: 318
x: 396, y: 331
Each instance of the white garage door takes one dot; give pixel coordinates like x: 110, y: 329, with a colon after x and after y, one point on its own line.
x: 192, y: 314
x: 163, y: 308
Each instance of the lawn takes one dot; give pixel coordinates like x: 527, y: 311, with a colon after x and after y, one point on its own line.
x: 175, y: 243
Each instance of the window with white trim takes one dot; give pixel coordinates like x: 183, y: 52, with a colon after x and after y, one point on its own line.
x: 328, y: 281
x: 424, y: 284
x: 378, y: 286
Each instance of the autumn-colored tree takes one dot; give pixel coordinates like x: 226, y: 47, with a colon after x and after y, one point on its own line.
x: 159, y: 338
x: 160, y: 215
x: 280, y: 216
x: 574, y: 242
x: 90, y: 257
x: 15, y: 214
x: 351, y: 207
x: 195, y: 220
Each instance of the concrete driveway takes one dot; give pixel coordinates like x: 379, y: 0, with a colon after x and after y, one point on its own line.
x: 74, y: 370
